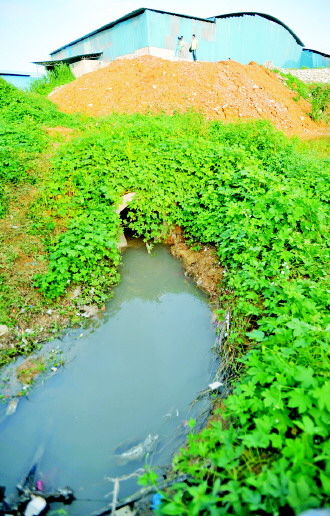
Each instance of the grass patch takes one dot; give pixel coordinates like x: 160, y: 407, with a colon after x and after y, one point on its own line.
x: 316, y: 146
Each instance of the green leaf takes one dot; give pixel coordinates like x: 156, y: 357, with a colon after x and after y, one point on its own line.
x: 191, y: 423
x: 172, y: 509
x: 323, y: 396
x: 298, y: 399
x: 305, y: 375
x: 325, y: 479
x: 257, y: 335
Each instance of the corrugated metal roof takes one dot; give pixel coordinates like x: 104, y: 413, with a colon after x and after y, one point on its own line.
x: 268, y: 17
x: 69, y: 60
x: 132, y: 14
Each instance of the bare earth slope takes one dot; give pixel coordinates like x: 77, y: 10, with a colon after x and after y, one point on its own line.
x: 225, y: 90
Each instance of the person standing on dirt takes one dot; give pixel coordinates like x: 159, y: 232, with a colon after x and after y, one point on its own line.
x: 181, y: 50
x: 193, y: 46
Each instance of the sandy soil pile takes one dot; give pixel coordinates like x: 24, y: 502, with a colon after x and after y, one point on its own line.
x: 226, y: 90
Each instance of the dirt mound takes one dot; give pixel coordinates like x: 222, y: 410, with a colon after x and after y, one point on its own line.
x: 226, y: 90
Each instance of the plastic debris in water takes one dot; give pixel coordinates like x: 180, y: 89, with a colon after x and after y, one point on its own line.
x: 172, y: 413
x: 40, y: 485
x: 139, y: 451
x: 215, y: 385
x: 35, y: 506
x: 12, y: 406
x: 155, y: 501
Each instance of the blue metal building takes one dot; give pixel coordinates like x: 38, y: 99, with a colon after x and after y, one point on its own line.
x: 243, y: 37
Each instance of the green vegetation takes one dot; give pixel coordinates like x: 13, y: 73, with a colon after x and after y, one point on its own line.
x: 318, y: 146
x: 22, y: 137
x: 23, y: 117
x: 260, y: 199
x: 18, y: 106
x: 318, y: 94
x: 25, y: 147
x: 61, y: 74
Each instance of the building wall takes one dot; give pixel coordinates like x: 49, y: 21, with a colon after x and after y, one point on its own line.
x: 254, y: 38
x: 85, y: 66
x: 311, y: 59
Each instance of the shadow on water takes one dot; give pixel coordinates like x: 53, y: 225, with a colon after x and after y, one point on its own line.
x: 124, y: 396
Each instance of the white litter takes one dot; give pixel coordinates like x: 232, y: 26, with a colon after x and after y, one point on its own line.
x: 35, y: 506
x: 12, y: 405
x: 215, y: 385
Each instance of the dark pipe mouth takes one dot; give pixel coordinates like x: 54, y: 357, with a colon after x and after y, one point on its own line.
x: 125, y: 220
x: 124, y: 215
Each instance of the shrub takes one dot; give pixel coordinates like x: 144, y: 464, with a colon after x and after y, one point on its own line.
x: 61, y: 74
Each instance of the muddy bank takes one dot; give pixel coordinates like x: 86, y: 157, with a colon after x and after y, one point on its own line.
x: 201, y: 264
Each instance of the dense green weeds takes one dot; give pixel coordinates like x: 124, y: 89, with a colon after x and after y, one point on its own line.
x: 260, y: 199
x: 17, y: 106
x: 25, y: 148
x: 22, y: 138
x: 246, y: 189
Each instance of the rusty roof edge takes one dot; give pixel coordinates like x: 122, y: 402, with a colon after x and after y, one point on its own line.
x: 132, y: 14
x: 268, y: 17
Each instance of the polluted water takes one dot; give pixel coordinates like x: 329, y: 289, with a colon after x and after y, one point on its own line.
x: 123, y: 398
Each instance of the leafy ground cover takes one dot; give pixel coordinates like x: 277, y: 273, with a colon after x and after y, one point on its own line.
x: 261, y: 200
x: 22, y: 117
x: 25, y: 149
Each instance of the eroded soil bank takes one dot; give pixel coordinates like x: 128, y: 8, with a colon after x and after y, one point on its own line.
x: 200, y: 264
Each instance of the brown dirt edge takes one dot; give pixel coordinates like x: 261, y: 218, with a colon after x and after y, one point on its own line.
x: 201, y: 265
x: 40, y: 328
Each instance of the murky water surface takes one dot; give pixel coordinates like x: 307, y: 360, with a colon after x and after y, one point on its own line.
x: 134, y: 375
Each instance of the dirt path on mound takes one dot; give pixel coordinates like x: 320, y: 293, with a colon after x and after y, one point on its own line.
x: 225, y: 90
